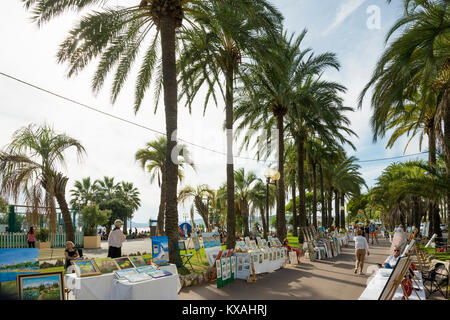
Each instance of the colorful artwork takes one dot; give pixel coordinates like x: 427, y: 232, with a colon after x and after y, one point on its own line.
x: 160, y: 250
x: 138, y: 261
x: 147, y: 259
x: 14, y: 262
x: 138, y: 277
x: 196, y: 241
x: 124, y: 263
x: 106, y: 265
x: 44, y: 286
x: 146, y: 269
x: 120, y: 274
x: 86, y: 268
x: 211, y: 239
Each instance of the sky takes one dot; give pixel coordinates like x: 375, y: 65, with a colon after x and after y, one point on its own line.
x: 16, y: 256
x: 353, y: 29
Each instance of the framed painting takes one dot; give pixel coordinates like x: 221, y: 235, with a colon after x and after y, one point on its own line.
x: 138, y: 261
x: 42, y: 286
x: 14, y: 262
x: 86, y: 268
x: 120, y: 274
x: 160, y: 250
x: 124, y: 263
x: 106, y: 265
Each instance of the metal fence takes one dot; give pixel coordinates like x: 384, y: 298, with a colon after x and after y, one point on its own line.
x: 10, y: 240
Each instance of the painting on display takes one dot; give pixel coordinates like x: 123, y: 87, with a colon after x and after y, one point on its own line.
x: 241, y: 246
x: 120, y: 274
x: 196, y: 241
x: 86, y: 268
x: 138, y: 261
x: 261, y: 257
x: 146, y: 269
x: 160, y: 250
x: 247, y: 242
x: 14, y: 262
x: 106, y: 265
x: 293, y: 257
x: 42, y: 286
x: 124, y: 263
x: 253, y: 245
x: 211, y: 239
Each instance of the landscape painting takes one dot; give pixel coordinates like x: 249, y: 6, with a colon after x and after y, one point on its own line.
x: 17, y: 261
x: 46, y: 286
x: 86, y: 268
x: 106, y: 265
x: 124, y: 263
x: 138, y: 261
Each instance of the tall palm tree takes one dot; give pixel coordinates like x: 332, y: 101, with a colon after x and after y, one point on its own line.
x: 31, y: 162
x: 153, y: 158
x: 213, y: 55
x: 291, y: 175
x: 244, y: 184
x: 417, y: 61
x: 201, y: 195
x: 115, y: 35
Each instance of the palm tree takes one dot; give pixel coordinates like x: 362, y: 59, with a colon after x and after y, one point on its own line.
x: 115, y: 35
x: 153, y: 158
x: 244, y: 184
x: 202, y: 195
x: 83, y: 194
x: 291, y: 170
x: 30, y: 163
x: 213, y: 54
x: 130, y: 195
x: 416, y: 64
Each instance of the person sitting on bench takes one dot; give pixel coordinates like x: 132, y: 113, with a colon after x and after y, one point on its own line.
x: 391, y: 261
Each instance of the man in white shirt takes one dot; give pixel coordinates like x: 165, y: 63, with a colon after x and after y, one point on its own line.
x: 391, y: 261
x: 361, y: 247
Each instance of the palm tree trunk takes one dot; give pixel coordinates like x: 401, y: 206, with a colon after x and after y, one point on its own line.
x: 231, y: 215
x: 330, y: 197
x: 337, y: 220
x: 301, y: 185
x: 342, y: 210
x: 162, y: 206
x: 294, y: 208
x: 281, y: 215
x: 314, y: 204
x: 70, y: 235
x: 433, y: 207
x: 125, y: 226
x: 245, y: 215
x: 416, y: 213
x: 322, y: 196
x: 263, y: 220
x: 167, y: 29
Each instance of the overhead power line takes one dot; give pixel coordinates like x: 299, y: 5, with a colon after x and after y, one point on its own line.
x: 159, y: 132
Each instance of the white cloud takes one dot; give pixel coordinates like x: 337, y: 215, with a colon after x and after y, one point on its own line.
x: 346, y: 9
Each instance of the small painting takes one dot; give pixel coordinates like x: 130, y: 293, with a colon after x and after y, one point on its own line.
x: 160, y: 250
x: 18, y: 261
x: 120, y: 274
x: 106, y: 265
x: 124, y: 263
x: 43, y: 286
x: 86, y: 268
x: 137, y: 261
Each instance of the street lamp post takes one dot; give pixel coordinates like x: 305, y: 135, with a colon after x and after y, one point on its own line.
x: 273, y: 175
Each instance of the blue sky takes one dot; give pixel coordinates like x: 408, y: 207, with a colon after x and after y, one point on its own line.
x: 339, y: 26
x: 36, y: 282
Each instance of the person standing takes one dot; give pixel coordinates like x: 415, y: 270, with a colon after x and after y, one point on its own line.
x: 115, y: 240
x: 31, y: 238
x: 361, y: 248
x: 373, y: 232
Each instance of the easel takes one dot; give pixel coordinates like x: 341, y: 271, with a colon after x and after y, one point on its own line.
x: 397, y: 281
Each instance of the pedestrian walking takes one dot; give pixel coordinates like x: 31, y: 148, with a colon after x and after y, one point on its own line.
x: 373, y: 232
x: 361, y: 248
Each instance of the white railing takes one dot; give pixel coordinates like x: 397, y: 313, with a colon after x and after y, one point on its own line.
x: 11, y: 240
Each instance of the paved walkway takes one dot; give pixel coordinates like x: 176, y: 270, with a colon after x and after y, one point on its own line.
x: 331, y: 279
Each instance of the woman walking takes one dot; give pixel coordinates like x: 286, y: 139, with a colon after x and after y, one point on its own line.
x: 115, y: 240
x: 361, y: 247
x: 31, y: 238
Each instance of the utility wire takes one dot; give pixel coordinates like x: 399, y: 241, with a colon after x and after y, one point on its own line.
x: 159, y: 132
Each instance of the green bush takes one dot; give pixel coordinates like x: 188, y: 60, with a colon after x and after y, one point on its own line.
x: 42, y: 235
x: 92, y: 217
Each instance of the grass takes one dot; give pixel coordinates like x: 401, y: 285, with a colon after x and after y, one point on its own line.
x: 443, y: 256
x: 199, y: 261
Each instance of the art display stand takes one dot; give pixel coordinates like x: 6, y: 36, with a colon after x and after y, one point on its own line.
x: 106, y: 287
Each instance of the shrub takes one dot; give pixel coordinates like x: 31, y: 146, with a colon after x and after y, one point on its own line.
x: 42, y: 235
x: 92, y: 217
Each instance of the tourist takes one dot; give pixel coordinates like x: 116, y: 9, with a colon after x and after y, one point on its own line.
x: 115, y: 240
x: 70, y: 253
x: 366, y: 231
x: 391, y: 261
x: 31, y: 238
x: 361, y: 248
x: 373, y: 232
